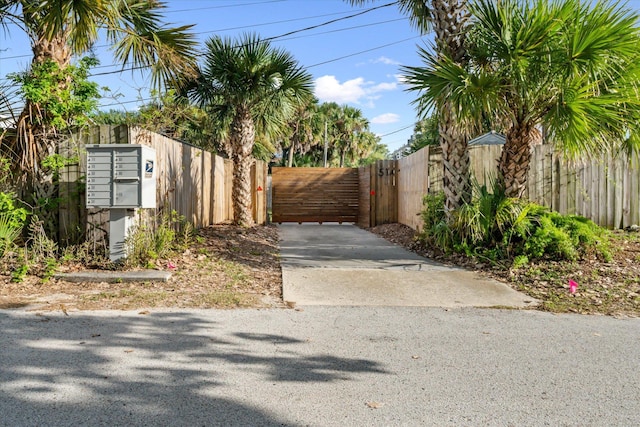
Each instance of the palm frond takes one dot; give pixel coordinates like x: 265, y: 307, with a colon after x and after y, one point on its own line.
x: 418, y: 12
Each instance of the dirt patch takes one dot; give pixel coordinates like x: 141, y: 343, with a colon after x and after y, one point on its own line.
x: 225, y: 267
x: 229, y: 267
x: 610, y: 288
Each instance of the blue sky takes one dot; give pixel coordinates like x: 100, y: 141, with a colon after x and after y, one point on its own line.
x: 353, y: 61
x: 348, y: 59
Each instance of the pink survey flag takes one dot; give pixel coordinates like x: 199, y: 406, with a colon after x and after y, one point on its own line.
x: 573, y: 286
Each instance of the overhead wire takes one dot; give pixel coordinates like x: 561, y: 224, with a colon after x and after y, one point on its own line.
x: 281, y: 37
x: 297, y: 37
x: 254, y: 25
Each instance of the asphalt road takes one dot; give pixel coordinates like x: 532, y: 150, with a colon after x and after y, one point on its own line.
x: 319, y: 366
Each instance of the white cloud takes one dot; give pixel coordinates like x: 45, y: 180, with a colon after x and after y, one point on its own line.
x: 329, y: 89
x: 383, y: 87
x: 386, y: 118
x: 385, y: 60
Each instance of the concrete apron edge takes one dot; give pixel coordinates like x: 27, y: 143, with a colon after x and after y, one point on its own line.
x: 397, y: 287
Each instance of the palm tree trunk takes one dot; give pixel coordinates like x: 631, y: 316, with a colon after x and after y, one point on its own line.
x: 290, y: 155
x: 242, y: 140
x: 455, y: 161
x: 449, y: 18
x: 36, y: 140
x: 515, y: 159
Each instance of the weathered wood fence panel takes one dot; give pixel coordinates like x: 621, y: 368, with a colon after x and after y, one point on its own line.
x: 413, y: 183
x: 604, y: 189
x: 384, y: 192
x: 193, y: 182
x: 228, y: 190
x: 364, y: 197
x: 259, y: 172
x: 315, y: 194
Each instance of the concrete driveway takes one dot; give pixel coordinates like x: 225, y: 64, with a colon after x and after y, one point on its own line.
x: 341, y: 264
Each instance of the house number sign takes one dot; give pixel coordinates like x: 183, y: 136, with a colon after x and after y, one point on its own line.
x: 387, y: 171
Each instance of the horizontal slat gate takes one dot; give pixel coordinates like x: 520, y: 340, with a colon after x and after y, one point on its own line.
x: 314, y: 194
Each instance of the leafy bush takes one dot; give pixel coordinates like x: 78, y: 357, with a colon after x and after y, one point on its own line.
x: 496, y: 227
x: 16, y: 216
x: 9, y: 233
x: 12, y: 220
x: 435, y: 229
x: 567, y: 237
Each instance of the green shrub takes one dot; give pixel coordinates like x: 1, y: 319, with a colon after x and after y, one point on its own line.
x: 16, y: 216
x: 550, y: 241
x: 9, y: 233
x: 433, y: 212
x: 496, y: 227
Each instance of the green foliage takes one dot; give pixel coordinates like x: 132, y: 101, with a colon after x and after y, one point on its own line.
x: 64, y: 95
x: 425, y: 133
x: 519, y: 261
x: 567, y: 237
x: 171, y: 116
x: 496, y: 227
x: 9, y: 233
x: 436, y: 231
x: 15, y: 216
x: 433, y: 213
x: 18, y: 274
x: 56, y: 162
x: 148, y: 242
x: 38, y: 256
x: 50, y: 267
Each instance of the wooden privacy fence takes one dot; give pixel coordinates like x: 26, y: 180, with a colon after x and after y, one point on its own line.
x: 605, y: 190
x: 192, y: 182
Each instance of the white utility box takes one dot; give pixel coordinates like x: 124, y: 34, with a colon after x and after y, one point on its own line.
x: 121, y: 176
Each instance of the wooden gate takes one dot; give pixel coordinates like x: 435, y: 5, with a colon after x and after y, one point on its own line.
x: 314, y: 194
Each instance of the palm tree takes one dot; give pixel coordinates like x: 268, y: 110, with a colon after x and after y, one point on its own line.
x: 256, y: 86
x: 61, y: 29
x: 448, y: 19
x: 569, y: 68
x: 350, y: 124
x: 367, y: 149
x: 306, y: 129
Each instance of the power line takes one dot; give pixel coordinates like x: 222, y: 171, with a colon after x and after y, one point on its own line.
x: 397, y: 130
x: 264, y: 24
x: 299, y: 31
x: 291, y: 38
x: 361, y: 52
x: 312, y: 27
x: 254, y: 25
x: 225, y: 6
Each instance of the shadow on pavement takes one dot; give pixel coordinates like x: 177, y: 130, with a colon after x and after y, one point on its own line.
x: 158, y: 369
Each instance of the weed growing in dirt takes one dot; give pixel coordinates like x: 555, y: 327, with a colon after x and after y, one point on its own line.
x: 149, y: 241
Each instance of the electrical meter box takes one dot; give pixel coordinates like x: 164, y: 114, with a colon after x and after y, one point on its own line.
x: 121, y: 176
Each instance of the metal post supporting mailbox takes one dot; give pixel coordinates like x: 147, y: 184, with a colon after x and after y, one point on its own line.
x: 121, y: 178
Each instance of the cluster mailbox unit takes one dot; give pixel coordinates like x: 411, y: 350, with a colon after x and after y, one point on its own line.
x: 121, y: 178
